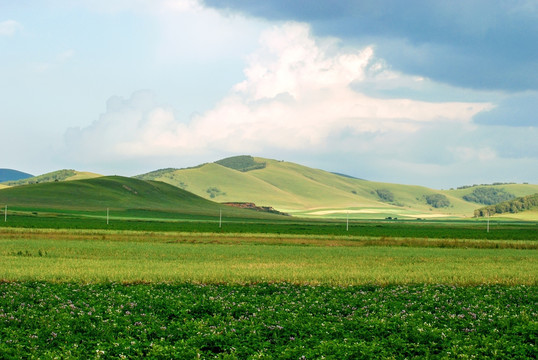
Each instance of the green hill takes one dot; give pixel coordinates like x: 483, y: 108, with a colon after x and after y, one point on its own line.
x: 114, y: 192
x: 60, y: 175
x: 12, y: 175
x: 300, y: 190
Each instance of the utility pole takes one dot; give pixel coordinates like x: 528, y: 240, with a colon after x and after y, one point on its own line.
x: 347, y: 221
x: 488, y: 223
x: 5, y: 214
x: 220, y: 219
x: 107, y: 216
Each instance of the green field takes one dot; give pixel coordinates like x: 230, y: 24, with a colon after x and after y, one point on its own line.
x: 166, y: 295
x: 266, y: 321
x: 212, y: 258
x: 168, y: 274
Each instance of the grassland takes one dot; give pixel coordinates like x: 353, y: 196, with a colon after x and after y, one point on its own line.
x: 304, y: 191
x: 212, y: 258
x: 59, y: 175
x: 166, y: 278
x: 166, y: 295
x: 118, y: 194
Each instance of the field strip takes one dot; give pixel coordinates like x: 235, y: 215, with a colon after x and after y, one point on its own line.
x: 99, y: 261
x: 264, y: 239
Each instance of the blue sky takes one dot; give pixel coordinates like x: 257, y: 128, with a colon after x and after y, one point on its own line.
x: 440, y: 94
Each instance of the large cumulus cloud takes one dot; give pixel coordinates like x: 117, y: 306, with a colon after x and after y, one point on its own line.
x: 298, y: 96
x: 477, y: 43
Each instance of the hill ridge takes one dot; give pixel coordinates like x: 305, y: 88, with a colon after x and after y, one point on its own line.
x: 58, y: 175
x: 116, y: 193
x: 300, y: 190
x: 12, y: 175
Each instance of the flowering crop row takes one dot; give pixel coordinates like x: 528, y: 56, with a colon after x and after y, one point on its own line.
x: 280, y: 320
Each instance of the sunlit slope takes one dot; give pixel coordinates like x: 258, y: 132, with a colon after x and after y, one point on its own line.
x: 114, y: 192
x: 59, y: 175
x: 82, y: 175
x: 527, y: 215
x: 302, y: 190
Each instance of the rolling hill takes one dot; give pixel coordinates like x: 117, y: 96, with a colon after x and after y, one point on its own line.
x: 117, y: 193
x: 60, y: 175
x: 300, y: 190
x: 12, y: 175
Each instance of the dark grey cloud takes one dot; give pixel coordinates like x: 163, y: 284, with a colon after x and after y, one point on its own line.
x: 474, y: 43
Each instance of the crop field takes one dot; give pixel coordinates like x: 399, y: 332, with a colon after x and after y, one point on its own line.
x: 163, y: 221
x: 244, y: 259
x: 265, y: 321
x: 152, y: 286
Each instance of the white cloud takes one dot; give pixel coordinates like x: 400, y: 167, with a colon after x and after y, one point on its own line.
x: 9, y: 27
x: 297, y: 95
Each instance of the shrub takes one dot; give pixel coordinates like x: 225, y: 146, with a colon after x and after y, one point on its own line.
x: 488, y: 196
x: 241, y: 163
x: 437, y: 200
x: 385, y: 195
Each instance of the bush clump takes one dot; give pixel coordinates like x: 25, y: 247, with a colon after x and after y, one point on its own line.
x: 437, y: 200
x: 242, y: 163
x: 512, y: 206
x: 488, y: 196
x: 385, y: 195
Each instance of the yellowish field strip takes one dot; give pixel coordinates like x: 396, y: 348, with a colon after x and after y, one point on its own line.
x: 200, y: 258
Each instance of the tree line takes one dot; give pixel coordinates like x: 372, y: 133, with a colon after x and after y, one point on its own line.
x: 512, y: 206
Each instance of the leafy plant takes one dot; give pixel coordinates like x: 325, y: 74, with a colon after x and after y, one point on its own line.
x: 279, y: 320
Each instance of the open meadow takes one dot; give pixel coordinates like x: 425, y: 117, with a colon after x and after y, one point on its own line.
x: 287, y: 289
x: 122, y: 268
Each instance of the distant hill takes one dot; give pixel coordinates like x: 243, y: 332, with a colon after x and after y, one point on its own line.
x: 300, y: 190
x: 11, y: 175
x: 60, y: 175
x: 116, y: 193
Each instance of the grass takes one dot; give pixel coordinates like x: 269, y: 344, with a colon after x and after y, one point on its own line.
x: 120, y: 194
x: 295, y: 188
x: 210, y: 259
x: 208, y: 221
x: 60, y: 175
x: 163, y: 280
x: 263, y: 287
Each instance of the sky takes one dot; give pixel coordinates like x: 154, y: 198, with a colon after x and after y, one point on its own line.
x: 434, y: 93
